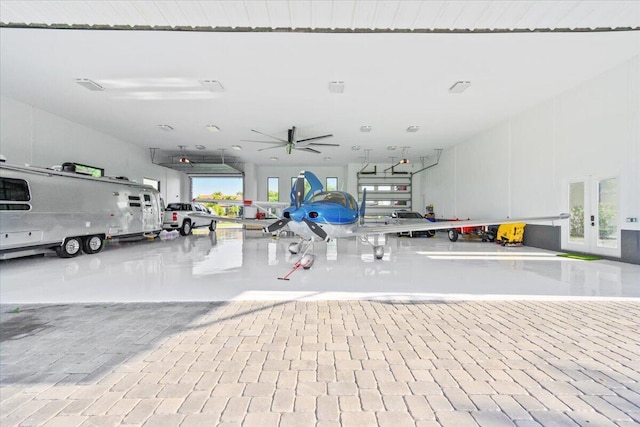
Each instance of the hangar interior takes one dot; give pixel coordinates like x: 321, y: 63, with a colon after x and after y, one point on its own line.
x: 501, y: 109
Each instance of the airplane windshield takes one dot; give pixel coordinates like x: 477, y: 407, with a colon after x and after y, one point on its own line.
x: 329, y: 197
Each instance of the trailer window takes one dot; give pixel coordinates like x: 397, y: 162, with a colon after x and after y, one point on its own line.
x: 15, y: 190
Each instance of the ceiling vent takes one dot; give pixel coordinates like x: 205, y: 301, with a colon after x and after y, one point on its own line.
x: 459, y: 87
x: 212, y: 85
x: 89, y: 84
x: 336, y: 87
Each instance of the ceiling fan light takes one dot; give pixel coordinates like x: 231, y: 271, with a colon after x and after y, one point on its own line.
x: 459, y: 87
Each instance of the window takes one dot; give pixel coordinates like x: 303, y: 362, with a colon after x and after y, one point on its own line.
x: 332, y: 184
x: 273, y: 194
x: 15, y: 190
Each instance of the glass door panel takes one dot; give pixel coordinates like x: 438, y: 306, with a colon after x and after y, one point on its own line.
x: 576, y: 208
x: 607, y: 213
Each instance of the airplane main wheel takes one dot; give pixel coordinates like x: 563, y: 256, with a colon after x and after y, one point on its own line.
x: 212, y: 226
x: 294, y: 248
x: 453, y: 234
x: 378, y: 252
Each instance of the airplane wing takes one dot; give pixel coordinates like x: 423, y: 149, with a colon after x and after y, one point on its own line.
x: 252, y: 222
x: 259, y: 204
x: 365, y: 230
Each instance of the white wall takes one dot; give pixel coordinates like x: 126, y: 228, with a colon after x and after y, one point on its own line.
x: 33, y: 136
x: 522, y: 166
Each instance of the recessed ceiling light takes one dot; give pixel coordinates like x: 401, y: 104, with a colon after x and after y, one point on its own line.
x: 336, y: 87
x: 413, y: 128
x: 355, y: 147
x: 212, y: 85
x: 165, y: 128
x: 213, y: 128
x: 273, y: 159
x: 89, y: 84
x: 236, y: 147
x: 366, y: 129
x: 327, y: 158
x: 183, y: 160
x: 391, y: 147
x: 459, y: 87
x: 200, y: 147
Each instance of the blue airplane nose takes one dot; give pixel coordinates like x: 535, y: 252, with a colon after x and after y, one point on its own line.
x: 297, y: 215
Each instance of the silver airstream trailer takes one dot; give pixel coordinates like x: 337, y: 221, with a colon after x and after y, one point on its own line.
x: 59, y: 209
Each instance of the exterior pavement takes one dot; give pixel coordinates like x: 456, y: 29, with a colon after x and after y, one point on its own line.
x: 321, y: 363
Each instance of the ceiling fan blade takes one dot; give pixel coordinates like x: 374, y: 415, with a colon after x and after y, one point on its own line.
x: 323, y: 143
x: 264, y: 142
x: 270, y: 136
x: 316, y: 137
x: 309, y: 149
x: 270, y: 148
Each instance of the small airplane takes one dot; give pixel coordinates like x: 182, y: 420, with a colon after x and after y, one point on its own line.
x: 322, y: 215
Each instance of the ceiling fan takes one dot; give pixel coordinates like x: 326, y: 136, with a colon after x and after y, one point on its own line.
x: 292, y: 143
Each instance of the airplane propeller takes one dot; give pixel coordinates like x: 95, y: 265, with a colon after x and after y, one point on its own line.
x: 298, y: 215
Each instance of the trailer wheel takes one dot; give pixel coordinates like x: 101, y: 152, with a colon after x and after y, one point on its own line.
x: 453, y: 234
x: 92, y: 244
x: 212, y: 226
x: 185, y: 230
x: 70, y: 248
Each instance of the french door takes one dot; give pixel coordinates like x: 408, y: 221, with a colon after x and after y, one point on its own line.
x: 593, y: 224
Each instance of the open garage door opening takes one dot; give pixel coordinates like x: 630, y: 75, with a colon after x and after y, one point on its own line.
x: 219, y: 188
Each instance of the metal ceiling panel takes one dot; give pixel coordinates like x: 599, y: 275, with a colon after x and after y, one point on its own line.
x: 332, y: 14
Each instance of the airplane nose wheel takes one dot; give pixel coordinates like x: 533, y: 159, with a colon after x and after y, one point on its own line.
x: 294, y: 248
x: 378, y: 252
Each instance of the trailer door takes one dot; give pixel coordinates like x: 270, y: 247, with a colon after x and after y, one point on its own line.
x: 150, y: 212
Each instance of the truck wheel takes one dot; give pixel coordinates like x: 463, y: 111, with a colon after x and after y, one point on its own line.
x: 70, y: 248
x: 92, y: 244
x: 212, y: 226
x: 185, y: 230
x: 453, y: 234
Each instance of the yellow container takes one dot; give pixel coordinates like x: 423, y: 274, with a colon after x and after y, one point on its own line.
x: 511, y: 233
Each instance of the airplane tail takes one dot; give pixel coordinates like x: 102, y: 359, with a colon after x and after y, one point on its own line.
x: 362, y: 206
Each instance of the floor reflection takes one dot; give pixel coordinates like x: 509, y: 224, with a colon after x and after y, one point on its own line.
x: 237, y: 264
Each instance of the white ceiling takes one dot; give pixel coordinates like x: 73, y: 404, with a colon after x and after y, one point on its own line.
x: 272, y: 80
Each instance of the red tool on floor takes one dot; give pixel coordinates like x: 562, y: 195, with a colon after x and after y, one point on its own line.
x: 304, y: 262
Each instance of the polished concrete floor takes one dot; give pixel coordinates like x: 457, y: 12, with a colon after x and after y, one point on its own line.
x: 199, y: 331
x: 233, y: 264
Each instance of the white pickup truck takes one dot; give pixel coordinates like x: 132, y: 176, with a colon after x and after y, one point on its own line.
x: 177, y: 217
